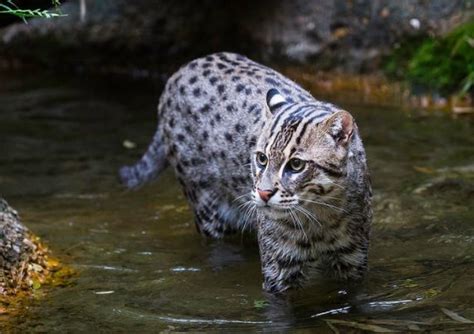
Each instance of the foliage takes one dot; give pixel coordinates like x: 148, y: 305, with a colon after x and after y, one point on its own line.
x: 444, y: 64
x: 396, y: 64
x: 9, y: 7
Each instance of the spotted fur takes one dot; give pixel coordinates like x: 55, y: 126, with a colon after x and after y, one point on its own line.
x: 216, y: 117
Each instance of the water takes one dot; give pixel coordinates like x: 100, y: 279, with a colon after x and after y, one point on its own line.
x: 143, y: 267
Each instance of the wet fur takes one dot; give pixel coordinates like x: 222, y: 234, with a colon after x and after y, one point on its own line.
x: 212, y: 117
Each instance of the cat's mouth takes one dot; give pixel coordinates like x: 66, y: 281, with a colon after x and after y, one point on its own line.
x: 276, y: 207
x: 274, y: 212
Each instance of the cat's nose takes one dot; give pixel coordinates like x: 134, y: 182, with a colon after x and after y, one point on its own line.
x: 265, y: 194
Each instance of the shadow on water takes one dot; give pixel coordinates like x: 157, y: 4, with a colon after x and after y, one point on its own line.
x: 143, y: 266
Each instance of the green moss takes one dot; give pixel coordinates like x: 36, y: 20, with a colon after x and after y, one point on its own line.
x: 396, y: 64
x: 444, y: 64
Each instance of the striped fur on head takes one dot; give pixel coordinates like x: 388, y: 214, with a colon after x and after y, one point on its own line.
x: 312, y: 138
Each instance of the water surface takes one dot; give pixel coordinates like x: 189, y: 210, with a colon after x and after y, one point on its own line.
x: 143, y: 267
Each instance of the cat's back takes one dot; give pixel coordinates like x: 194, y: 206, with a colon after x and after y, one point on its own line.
x: 224, y: 87
x: 213, y: 109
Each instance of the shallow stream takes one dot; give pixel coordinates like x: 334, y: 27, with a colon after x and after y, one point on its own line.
x: 143, y: 267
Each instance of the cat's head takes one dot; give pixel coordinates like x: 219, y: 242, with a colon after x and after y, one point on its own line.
x: 300, y: 158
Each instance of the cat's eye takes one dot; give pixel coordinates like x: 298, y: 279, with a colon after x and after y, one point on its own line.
x: 296, y: 165
x: 261, y: 159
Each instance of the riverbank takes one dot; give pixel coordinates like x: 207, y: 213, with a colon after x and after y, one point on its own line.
x: 376, y: 89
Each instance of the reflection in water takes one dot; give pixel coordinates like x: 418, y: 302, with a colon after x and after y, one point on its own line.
x: 280, y: 312
x: 103, y: 267
x: 187, y: 321
x: 340, y: 310
x: 224, y: 254
x: 142, y: 265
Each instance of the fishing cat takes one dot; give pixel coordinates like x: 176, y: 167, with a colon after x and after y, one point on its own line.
x: 253, y: 149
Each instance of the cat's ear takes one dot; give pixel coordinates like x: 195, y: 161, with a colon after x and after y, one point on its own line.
x: 275, y: 100
x: 341, y: 127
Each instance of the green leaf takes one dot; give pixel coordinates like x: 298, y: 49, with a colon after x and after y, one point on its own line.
x: 260, y: 303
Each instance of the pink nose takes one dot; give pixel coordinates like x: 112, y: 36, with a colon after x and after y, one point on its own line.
x: 265, y: 194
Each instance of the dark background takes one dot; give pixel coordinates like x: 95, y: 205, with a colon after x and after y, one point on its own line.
x: 143, y: 36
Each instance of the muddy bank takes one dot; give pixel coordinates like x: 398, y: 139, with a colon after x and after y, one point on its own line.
x: 145, y: 36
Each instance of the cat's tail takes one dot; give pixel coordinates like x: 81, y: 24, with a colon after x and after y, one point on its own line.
x: 148, y: 167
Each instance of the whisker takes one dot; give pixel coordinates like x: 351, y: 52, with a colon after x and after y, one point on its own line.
x: 292, y: 218
x: 336, y: 184
x: 302, y: 226
x: 308, y: 214
x: 325, y: 204
x: 241, y: 196
x: 332, y: 197
x: 249, y: 212
x: 298, y: 221
x: 244, y: 204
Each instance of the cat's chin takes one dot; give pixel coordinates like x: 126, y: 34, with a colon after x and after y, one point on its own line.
x: 274, y: 213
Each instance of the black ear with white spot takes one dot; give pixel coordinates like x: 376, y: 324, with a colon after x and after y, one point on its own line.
x: 275, y: 99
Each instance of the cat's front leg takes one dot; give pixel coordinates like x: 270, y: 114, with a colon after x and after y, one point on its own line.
x: 282, y: 264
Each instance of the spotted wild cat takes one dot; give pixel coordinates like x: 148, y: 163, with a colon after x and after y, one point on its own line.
x: 252, y: 149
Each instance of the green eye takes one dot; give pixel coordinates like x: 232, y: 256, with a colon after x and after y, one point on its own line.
x: 296, y: 165
x: 261, y: 159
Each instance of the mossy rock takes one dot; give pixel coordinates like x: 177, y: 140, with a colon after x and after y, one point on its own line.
x: 26, y: 264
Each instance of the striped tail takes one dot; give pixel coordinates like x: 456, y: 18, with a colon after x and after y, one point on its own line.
x: 148, y: 167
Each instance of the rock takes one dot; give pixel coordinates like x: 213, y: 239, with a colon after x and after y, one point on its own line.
x: 143, y: 36
x: 12, y: 234
x: 453, y: 182
x: 23, y: 260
